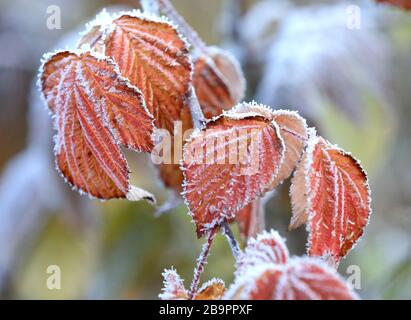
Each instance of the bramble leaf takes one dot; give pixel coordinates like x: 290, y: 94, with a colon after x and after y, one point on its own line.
x: 174, y: 289
x: 153, y: 56
x: 266, y: 247
x: 293, y: 130
x: 95, y: 110
x: 211, y: 290
x: 219, y: 84
x: 228, y: 164
x: 330, y: 193
x: 170, y: 173
x: 218, y: 81
x: 300, y: 279
x: 266, y: 272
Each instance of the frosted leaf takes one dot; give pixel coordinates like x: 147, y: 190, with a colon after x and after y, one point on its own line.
x: 293, y: 130
x: 95, y: 109
x: 330, y: 193
x: 267, y: 247
x: 93, y: 38
x: 153, y: 56
x: 227, y: 165
x: 170, y: 173
x: 266, y: 272
x: 299, y: 196
x: 213, y: 289
x: 172, y: 176
x: 137, y: 194
x: 300, y: 279
x: 173, y: 288
x: 218, y: 81
x: 251, y: 219
x: 31, y: 191
x: 219, y: 85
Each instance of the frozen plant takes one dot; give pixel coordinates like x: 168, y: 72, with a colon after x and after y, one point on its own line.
x: 134, y: 73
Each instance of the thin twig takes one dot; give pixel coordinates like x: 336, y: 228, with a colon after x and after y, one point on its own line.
x: 196, y: 113
x: 168, y: 9
x: 201, y: 261
x: 235, y: 247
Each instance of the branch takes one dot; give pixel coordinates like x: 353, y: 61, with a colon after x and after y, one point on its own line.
x: 184, y: 27
x: 196, y: 113
x: 201, y: 261
x: 235, y: 247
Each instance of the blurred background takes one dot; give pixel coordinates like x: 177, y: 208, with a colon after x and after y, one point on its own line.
x: 350, y: 79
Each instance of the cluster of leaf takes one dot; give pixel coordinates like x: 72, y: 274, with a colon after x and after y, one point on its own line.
x: 132, y: 73
x: 329, y: 190
x: 266, y: 272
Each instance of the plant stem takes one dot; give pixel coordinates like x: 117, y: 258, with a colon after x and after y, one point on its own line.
x: 235, y: 247
x: 201, y: 261
x: 184, y: 27
x: 196, y: 113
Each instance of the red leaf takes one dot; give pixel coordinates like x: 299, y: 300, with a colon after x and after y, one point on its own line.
x: 228, y: 164
x: 170, y: 174
x: 293, y: 130
x: 219, y: 85
x: 251, y: 219
x: 218, y: 81
x: 211, y: 290
x: 172, y: 177
x: 95, y: 109
x: 330, y: 192
x: 267, y: 247
x: 405, y: 4
x: 300, y: 279
x: 152, y: 55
